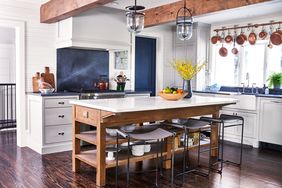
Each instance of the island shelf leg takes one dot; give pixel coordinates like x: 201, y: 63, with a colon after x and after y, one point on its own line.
x: 214, y: 138
x: 75, y: 143
x: 101, y: 156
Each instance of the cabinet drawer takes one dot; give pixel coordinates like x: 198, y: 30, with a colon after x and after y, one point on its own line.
x: 58, y: 116
x: 58, y: 103
x: 60, y: 133
x: 87, y: 115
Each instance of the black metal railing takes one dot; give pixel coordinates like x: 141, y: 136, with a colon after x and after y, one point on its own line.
x: 7, y: 106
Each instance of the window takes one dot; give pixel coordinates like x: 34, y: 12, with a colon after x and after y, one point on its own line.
x: 253, y: 64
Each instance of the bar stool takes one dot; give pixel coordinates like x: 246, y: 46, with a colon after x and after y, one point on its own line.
x: 222, y: 122
x: 195, y: 126
x: 146, y: 133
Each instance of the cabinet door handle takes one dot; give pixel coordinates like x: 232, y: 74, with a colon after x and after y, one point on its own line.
x: 279, y: 102
x: 61, y: 116
x: 61, y: 134
x: 62, y: 103
x: 85, y: 114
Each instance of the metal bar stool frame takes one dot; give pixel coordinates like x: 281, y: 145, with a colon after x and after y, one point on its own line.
x: 159, y: 149
x: 221, y: 122
x: 185, y: 169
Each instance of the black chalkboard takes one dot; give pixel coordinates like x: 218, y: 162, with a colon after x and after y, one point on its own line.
x: 79, y: 68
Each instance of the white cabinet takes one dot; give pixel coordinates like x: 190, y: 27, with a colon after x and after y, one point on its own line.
x: 270, y: 120
x: 246, y: 107
x: 49, y: 123
x: 250, y: 128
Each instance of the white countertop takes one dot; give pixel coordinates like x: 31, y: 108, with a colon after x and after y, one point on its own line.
x: 135, y: 104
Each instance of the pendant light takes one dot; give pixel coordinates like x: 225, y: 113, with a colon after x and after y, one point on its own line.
x: 184, y: 23
x: 135, y: 18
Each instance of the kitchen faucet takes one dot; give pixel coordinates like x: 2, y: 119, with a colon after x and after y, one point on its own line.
x: 248, y: 79
x: 253, y: 87
x: 243, y: 85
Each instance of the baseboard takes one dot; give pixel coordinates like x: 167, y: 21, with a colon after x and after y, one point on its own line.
x: 55, y: 148
x: 237, y: 139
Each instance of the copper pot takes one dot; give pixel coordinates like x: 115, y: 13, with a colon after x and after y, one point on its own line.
x: 263, y: 34
x: 240, y: 39
x: 215, y: 39
x: 228, y: 39
x: 223, y: 52
x: 276, y: 37
x: 234, y: 49
x: 252, y: 38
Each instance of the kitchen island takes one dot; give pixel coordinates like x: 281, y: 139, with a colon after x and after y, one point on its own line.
x: 105, y: 113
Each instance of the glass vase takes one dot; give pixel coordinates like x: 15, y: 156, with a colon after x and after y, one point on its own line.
x: 187, y: 88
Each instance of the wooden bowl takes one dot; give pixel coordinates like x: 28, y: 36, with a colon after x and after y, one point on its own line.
x: 173, y: 97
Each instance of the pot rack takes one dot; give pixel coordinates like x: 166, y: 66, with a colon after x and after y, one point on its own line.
x: 248, y: 26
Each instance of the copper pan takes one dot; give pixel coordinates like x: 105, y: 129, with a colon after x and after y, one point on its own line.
x: 215, y: 39
x: 240, y: 39
x: 252, y: 38
x: 263, y: 34
x: 276, y: 37
x: 223, y: 52
x: 234, y: 49
x: 228, y: 39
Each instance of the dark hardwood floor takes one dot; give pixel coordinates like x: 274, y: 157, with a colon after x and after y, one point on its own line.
x: 22, y: 167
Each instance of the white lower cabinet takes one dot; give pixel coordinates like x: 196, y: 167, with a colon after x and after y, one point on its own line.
x: 250, y: 128
x: 49, y: 123
x: 270, y: 120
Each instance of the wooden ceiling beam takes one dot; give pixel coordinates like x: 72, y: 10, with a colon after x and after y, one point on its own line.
x: 167, y: 13
x: 56, y: 10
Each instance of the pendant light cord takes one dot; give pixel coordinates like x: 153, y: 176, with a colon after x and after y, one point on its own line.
x: 184, y: 10
x: 135, y: 6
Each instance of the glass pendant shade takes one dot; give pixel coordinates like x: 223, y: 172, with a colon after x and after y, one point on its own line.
x: 184, y: 30
x: 135, y: 18
x: 135, y: 21
x: 184, y: 23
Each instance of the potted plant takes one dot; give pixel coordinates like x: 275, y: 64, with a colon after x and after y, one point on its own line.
x: 187, y: 71
x: 275, y: 80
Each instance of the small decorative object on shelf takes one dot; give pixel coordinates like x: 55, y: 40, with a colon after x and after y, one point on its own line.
x: 121, y: 81
x: 275, y: 80
x: 187, y: 71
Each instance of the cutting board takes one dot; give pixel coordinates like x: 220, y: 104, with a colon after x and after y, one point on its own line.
x: 35, y: 85
x: 48, y: 77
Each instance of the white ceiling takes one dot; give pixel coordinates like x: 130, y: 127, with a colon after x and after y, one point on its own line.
x: 121, y: 4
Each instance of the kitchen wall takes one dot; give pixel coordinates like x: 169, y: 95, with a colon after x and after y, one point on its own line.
x: 195, y: 49
x: 40, y: 38
x: 164, y: 35
x: 7, y: 55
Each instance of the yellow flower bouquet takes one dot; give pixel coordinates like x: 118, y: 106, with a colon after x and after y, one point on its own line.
x: 186, y: 69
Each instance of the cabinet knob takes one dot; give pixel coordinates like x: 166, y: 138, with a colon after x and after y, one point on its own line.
x: 61, y: 134
x: 62, y: 103
x: 61, y: 116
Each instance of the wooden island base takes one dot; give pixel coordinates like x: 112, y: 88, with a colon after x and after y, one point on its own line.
x: 102, y: 119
